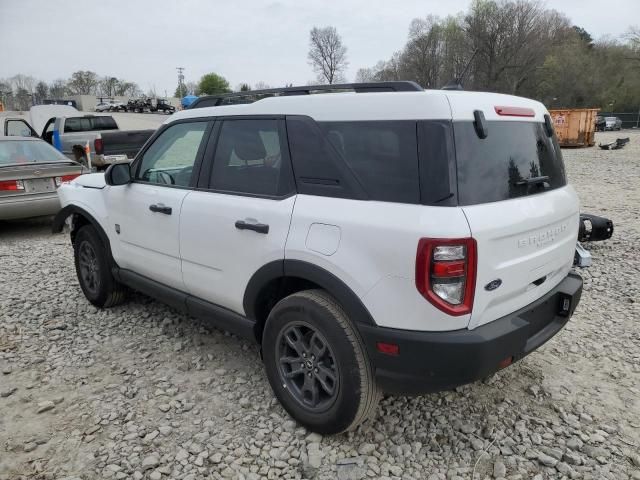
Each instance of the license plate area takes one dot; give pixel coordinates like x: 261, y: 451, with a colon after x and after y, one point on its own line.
x: 39, y: 185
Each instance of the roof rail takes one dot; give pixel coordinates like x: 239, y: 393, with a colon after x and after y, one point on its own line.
x: 255, y: 95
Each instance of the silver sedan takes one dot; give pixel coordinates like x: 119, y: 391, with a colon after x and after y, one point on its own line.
x: 30, y: 172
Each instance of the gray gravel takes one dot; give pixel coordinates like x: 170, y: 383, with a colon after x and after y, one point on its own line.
x: 139, y: 391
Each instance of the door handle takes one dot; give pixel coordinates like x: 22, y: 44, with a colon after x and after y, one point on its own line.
x: 160, y: 208
x: 256, y: 227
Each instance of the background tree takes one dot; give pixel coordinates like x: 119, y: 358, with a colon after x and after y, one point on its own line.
x: 261, y: 85
x: 58, y: 89
x: 365, y: 75
x: 192, y: 88
x: 108, y: 86
x: 83, y: 83
x: 212, y: 83
x: 327, y: 55
x: 244, y: 87
x: 41, y: 92
x: 181, y: 90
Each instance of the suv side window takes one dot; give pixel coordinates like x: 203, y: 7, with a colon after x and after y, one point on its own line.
x: 171, y: 157
x: 251, y: 158
x: 382, y: 154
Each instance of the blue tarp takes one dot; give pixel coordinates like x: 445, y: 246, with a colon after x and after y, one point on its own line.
x: 188, y: 100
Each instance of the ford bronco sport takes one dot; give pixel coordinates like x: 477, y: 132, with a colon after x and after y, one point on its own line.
x: 380, y: 239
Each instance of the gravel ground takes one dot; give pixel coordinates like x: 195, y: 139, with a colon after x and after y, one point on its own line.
x: 139, y: 391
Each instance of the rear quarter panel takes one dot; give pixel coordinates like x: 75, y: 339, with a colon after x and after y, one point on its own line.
x: 371, y: 246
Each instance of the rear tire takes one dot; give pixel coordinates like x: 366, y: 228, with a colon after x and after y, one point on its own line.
x: 317, y: 365
x: 93, y: 267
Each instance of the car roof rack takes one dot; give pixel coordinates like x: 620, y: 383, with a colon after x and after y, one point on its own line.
x: 251, y: 96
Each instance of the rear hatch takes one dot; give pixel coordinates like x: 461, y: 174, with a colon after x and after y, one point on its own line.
x: 513, y: 190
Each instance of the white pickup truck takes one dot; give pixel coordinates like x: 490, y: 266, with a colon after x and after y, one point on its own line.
x: 64, y: 127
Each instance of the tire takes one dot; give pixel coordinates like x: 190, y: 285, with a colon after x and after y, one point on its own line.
x: 93, y: 269
x: 313, y: 335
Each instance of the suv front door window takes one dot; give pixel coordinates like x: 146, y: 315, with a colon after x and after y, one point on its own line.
x: 170, y: 159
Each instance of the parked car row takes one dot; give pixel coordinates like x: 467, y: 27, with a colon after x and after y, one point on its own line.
x: 111, y: 106
x: 138, y: 105
x: 69, y: 131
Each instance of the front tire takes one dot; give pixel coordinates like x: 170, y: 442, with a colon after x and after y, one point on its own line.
x: 93, y: 269
x: 317, y: 365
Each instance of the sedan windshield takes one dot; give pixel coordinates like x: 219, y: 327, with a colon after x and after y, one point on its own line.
x: 29, y: 151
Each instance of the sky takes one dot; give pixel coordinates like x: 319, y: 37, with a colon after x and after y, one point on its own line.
x: 245, y: 41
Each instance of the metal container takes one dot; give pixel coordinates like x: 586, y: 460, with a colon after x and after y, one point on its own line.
x: 575, y: 127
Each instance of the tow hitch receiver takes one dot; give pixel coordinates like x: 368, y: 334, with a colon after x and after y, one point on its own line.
x: 582, y: 257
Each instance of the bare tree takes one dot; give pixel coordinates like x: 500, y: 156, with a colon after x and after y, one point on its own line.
x: 365, y: 75
x: 327, y: 54
x: 58, y: 89
x: 41, y: 92
x: 261, y: 85
x: 24, y: 83
x: 83, y: 82
x: 108, y: 86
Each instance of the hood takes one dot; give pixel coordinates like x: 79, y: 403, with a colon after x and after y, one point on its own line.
x: 40, y: 115
x: 91, y: 180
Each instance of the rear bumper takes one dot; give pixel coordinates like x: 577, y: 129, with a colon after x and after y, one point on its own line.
x: 27, y: 206
x: 433, y: 361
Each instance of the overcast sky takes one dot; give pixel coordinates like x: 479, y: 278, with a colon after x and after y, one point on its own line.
x: 245, y: 41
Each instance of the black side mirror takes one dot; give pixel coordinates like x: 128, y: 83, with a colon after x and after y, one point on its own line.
x: 118, y: 174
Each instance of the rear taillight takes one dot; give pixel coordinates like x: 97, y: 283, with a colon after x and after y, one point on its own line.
x: 446, y: 273
x: 65, y: 178
x: 11, y: 185
x: 98, y: 146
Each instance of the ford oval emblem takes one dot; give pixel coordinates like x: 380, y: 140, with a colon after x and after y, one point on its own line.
x: 493, y: 284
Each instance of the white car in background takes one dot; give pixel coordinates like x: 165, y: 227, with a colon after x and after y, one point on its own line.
x: 103, y: 107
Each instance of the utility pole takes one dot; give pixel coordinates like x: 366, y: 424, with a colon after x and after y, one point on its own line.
x: 181, y: 87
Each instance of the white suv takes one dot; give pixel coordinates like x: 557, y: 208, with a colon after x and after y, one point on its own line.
x: 370, y: 241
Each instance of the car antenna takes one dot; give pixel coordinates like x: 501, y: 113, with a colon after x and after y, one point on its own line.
x: 456, y: 83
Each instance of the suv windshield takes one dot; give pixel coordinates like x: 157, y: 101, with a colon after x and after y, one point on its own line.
x: 516, y: 159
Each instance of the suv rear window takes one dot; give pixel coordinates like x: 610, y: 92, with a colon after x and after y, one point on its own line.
x: 383, y: 155
x: 494, y: 168
x: 89, y: 124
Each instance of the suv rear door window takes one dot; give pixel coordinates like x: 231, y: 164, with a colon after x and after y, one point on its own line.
x: 496, y: 168
x: 382, y: 154
x: 250, y: 158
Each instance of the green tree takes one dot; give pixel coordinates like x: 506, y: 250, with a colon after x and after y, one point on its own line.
x: 181, y: 90
x: 212, y: 83
x: 244, y: 87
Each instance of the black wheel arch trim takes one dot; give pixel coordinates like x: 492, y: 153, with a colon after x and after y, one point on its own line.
x: 66, y: 212
x: 346, y: 297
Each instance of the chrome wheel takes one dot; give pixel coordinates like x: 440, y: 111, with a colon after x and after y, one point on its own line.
x: 307, y: 366
x: 89, y: 268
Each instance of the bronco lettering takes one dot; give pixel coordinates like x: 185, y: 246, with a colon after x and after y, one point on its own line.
x: 542, y: 238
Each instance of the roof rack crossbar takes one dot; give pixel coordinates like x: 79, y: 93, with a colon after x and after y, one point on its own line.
x: 245, y: 97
